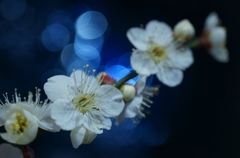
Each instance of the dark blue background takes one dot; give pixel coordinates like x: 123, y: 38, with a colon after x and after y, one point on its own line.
x: 198, y: 119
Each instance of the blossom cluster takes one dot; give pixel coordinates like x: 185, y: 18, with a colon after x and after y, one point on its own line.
x: 85, y: 101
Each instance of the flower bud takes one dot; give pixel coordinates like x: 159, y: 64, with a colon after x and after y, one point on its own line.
x: 106, y: 78
x: 128, y: 92
x: 184, y: 30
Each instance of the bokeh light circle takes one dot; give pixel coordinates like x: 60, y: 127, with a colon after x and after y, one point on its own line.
x: 55, y: 37
x: 91, y: 25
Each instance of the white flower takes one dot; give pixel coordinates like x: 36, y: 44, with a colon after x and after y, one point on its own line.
x: 134, y: 107
x: 157, y: 53
x: 9, y: 151
x: 214, y: 38
x: 184, y: 30
x: 81, y: 104
x: 21, y: 119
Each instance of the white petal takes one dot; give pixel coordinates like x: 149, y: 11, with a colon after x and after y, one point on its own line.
x: 95, y: 122
x: 9, y: 151
x: 90, y: 124
x: 211, y: 20
x: 3, y: 113
x: 218, y: 36
x: 133, y: 108
x: 137, y: 37
x: 141, y: 83
x: 159, y: 32
x: 66, y: 115
x: 220, y: 54
x: 77, y: 136
x: 110, y: 101
x: 121, y: 117
x: 57, y: 87
x: 170, y: 77
x: 142, y: 63
x: 182, y: 58
x: 89, y: 137
x: 44, y: 119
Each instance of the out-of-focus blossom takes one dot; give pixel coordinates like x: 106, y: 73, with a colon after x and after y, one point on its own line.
x: 9, y: 151
x: 82, y: 105
x: 157, y: 53
x: 184, y: 31
x: 21, y: 119
x: 134, y: 107
x: 214, y: 38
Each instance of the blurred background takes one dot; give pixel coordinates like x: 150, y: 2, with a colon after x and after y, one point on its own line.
x: 197, y: 119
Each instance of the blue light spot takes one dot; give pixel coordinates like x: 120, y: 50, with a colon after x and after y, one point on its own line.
x: 80, y: 63
x: 61, y: 17
x: 68, y: 55
x: 86, y: 52
x: 12, y: 9
x: 96, y: 43
x: 91, y: 24
x: 149, y: 80
x: 55, y: 37
x: 125, y: 60
x: 117, y: 71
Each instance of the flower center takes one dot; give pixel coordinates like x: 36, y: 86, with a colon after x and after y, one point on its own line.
x: 157, y: 53
x: 20, y: 125
x: 83, y: 102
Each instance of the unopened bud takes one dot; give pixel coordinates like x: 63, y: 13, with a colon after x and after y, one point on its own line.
x: 128, y: 92
x: 106, y: 78
x: 184, y: 30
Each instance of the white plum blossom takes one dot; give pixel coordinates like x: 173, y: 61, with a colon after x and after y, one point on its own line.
x: 214, y: 38
x: 184, y: 30
x: 21, y: 119
x: 134, y: 108
x: 157, y: 53
x: 82, y: 105
x: 9, y: 151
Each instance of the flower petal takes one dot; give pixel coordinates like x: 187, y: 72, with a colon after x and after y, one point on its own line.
x: 220, y: 54
x: 218, y: 36
x: 110, y: 101
x: 66, y: 115
x: 211, y: 20
x: 133, y: 108
x: 182, y: 58
x: 44, y: 119
x: 90, y: 124
x: 9, y: 151
x: 142, y: 63
x: 141, y: 83
x: 170, y: 77
x: 77, y: 136
x: 3, y: 113
x: 57, y: 87
x: 89, y: 137
x: 159, y: 32
x: 95, y: 122
x: 137, y: 37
